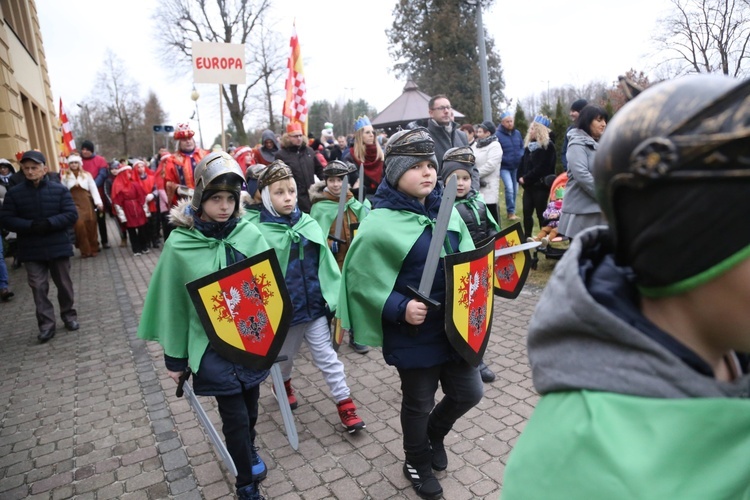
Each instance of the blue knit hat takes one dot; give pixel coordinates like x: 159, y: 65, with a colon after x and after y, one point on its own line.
x: 505, y: 115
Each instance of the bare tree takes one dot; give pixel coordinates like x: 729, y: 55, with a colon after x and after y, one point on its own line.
x: 706, y: 36
x: 269, y: 58
x: 117, y: 109
x: 225, y: 21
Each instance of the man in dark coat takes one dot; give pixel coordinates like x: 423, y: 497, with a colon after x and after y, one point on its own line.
x: 303, y: 162
x: 446, y: 133
x: 41, y: 212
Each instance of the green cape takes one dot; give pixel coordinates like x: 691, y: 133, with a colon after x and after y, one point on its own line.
x: 281, y: 236
x: 169, y: 316
x: 373, y: 262
x: 325, y: 212
x: 601, y: 445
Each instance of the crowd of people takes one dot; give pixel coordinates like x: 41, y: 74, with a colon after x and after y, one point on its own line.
x: 665, y: 342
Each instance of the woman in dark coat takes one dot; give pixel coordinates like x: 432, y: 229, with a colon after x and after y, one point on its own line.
x: 538, y: 162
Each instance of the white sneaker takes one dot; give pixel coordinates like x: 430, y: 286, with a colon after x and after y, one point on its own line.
x: 137, y: 254
x: 545, y: 242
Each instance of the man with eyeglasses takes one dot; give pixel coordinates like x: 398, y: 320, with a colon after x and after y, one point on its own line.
x: 303, y: 162
x: 446, y: 133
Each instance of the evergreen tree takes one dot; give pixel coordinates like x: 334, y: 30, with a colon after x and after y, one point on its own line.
x: 520, y: 121
x: 560, y: 122
x: 445, y: 60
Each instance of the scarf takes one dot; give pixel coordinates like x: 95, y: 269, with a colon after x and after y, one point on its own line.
x: 373, y: 165
x: 482, y: 143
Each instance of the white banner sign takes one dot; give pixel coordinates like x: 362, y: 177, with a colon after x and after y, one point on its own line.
x: 219, y: 63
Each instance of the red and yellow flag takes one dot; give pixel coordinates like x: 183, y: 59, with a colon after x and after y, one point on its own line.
x: 295, y: 102
x: 67, y: 143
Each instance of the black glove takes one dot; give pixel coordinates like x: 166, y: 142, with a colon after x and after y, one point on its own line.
x: 40, y: 226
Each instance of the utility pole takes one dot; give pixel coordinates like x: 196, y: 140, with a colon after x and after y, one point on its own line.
x: 485, y: 81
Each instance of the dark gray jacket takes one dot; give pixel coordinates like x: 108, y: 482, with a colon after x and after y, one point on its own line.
x: 49, y: 201
x: 580, y: 197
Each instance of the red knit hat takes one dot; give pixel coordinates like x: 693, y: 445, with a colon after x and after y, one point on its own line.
x: 240, y: 152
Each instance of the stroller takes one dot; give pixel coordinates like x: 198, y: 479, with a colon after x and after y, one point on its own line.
x: 553, y: 245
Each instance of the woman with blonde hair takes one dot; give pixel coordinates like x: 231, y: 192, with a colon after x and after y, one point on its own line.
x: 85, y: 195
x: 538, y: 161
x: 367, y: 151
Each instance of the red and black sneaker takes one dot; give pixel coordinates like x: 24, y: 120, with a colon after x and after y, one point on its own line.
x: 289, y: 394
x: 348, y: 416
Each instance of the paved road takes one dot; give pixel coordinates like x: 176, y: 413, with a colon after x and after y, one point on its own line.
x: 92, y: 415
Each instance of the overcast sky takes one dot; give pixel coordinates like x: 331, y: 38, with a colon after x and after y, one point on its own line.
x: 345, y: 51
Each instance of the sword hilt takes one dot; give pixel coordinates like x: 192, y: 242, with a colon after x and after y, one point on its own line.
x: 180, y: 385
x: 337, y: 240
x: 431, y: 304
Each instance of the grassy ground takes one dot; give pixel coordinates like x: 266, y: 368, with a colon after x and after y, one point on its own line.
x: 541, y: 274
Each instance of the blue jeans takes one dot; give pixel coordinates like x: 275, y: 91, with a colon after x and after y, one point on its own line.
x: 510, y: 181
x: 3, y: 268
x: 463, y: 389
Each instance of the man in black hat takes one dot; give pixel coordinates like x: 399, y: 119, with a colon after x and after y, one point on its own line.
x: 41, y: 212
x: 575, y: 109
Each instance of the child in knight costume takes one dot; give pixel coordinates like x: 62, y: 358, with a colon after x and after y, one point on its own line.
x: 387, y: 256
x: 325, y: 196
x: 313, y: 279
x: 209, y: 235
x: 636, y: 344
x: 471, y: 207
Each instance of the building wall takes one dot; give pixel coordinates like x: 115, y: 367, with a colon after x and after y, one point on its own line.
x: 28, y: 119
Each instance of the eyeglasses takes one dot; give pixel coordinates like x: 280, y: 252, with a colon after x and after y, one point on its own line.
x: 442, y: 108
x: 296, y: 136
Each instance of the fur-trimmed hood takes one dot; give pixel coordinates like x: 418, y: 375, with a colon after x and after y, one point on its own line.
x: 318, y: 193
x: 181, y: 215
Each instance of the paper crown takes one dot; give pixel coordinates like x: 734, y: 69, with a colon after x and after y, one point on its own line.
x: 362, y: 121
x: 293, y: 127
x: 183, y: 131
x: 460, y: 154
x: 504, y: 115
x: 276, y: 171
x: 541, y: 119
x: 338, y: 168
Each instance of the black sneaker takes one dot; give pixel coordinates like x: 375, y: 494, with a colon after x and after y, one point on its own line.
x: 424, y: 482
x: 487, y: 374
x: 358, y: 348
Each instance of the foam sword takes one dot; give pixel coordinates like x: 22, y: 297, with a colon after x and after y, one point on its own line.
x: 439, y: 230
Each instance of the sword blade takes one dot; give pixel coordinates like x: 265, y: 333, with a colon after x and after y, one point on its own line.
x: 517, y: 248
x: 286, y: 411
x: 438, y: 237
x: 361, y: 196
x: 213, y: 435
x: 338, y: 229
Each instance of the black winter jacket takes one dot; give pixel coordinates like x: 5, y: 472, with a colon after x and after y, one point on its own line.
x: 49, y: 201
x: 536, y: 165
x: 305, y: 165
x: 474, y: 213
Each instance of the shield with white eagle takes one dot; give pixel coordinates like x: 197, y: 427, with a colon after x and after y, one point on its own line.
x: 245, y: 309
x: 511, y: 269
x: 468, y: 317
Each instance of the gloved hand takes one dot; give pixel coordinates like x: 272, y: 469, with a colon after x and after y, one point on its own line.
x: 149, y: 197
x: 120, y: 214
x: 40, y: 226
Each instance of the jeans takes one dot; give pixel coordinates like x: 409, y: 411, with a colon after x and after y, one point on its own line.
x: 463, y: 390
x: 317, y: 333
x: 3, y: 268
x: 239, y: 413
x: 510, y: 182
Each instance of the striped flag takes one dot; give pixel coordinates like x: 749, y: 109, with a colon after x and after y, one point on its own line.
x: 67, y: 143
x: 295, y: 102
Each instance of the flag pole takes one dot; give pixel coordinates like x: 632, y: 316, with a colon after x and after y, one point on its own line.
x: 221, y: 112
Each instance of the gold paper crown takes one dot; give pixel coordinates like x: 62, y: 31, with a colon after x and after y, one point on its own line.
x: 276, y: 171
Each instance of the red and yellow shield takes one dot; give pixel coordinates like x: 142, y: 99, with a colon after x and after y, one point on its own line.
x: 468, y: 317
x: 511, y: 270
x: 245, y: 309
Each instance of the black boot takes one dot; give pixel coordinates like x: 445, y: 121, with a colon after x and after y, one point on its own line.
x: 250, y: 492
x: 418, y: 470
x: 487, y: 374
